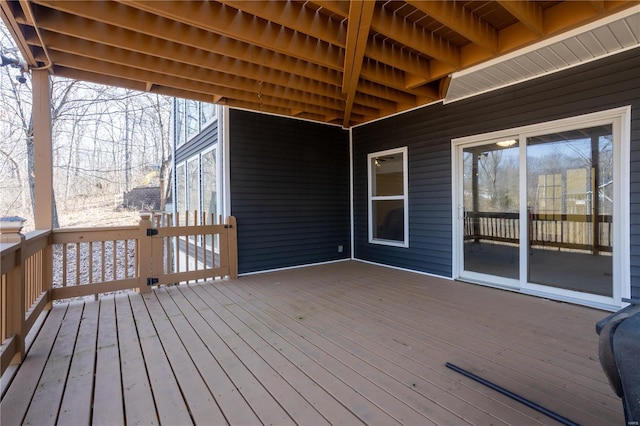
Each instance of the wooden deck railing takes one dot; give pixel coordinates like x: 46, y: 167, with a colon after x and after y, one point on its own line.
x: 44, y: 266
x: 572, y: 231
x: 23, y: 294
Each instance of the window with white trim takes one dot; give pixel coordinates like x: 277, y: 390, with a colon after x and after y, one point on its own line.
x: 388, y: 198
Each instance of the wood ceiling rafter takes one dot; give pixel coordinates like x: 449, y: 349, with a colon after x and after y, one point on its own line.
x: 529, y: 13
x: 234, y: 23
x: 228, y: 86
x: 462, y: 21
x: 165, y: 29
x: 298, y: 18
x: 414, y: 37
x: 342, y: 62
x: 360, y: 14
x: 151, y: 37
x: 95, y: 37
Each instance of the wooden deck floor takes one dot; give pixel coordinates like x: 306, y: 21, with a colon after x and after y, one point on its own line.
x: 345, y: 343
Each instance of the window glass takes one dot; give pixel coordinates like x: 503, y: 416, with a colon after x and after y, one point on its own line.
x: 181, y: 191
x: 207, y: 113
x: 193, y: 187
x: 388, y: 198
x: 209, y: 185
x: 193, y: 119
x: 180, y: 126
x: 570, y: 203
x: 387, y: 177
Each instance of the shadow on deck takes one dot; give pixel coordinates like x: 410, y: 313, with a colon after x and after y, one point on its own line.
x: 343, y: 343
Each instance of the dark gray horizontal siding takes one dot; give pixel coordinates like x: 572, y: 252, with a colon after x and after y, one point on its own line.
x: 207, y: 137
x: 289, y: 191
x: 608, y: 83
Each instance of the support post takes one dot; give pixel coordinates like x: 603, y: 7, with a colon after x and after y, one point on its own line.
x: 42, y: 146
x: 43, y: 167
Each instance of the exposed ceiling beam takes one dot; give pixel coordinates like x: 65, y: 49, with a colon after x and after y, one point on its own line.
x: 296, y: 17
x: 598, y: 5
x: 7, y: 13
x: 305, y: 20
x: 415, y: 37
x: 54, y: 29
x: 386, y: 52
x: 133, y: 68
x: 527, y: 12
x: 360, y: 13
x: 234, y: 23
x: 141, y: 24
x: 325, y: 96
x: 454, y: 16
x: 339, y: 7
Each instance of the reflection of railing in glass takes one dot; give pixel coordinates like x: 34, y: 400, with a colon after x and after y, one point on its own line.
x: 568, y: 231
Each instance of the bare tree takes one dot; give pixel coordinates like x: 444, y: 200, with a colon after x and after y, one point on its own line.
x: 105, y: 140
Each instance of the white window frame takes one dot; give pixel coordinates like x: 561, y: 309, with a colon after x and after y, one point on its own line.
x: 404, y: 197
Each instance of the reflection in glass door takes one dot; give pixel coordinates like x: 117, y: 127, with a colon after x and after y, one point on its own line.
x: 491, y: 209
x: 570, y: 206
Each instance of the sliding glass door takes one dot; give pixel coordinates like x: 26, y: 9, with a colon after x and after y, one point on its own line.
x: 570, y: 184
x: 544, y: 209
x: 491, y: 205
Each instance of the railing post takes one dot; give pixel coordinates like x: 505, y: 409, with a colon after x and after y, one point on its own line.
x: 10, y: 234
x: 157, y: 250
x: 232, y: 246
x: 144, y: 253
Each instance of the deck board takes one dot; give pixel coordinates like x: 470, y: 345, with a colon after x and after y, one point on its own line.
x: 403, y: 369
x: 525, y: 373
x: 343, y: 343
x: 108, y: 404
x: 264, y: 344
x: 380, y: 389
x: 201, y: 403
x: 170, y: 403
x: 46, y: 400
x: 75, y: 408
x: 139, y: 404
x: 265, y: 407
x: 297, y: 407
x: 16, y: 400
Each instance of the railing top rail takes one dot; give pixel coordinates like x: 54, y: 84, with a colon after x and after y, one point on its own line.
x: 58, y: 231
x: 8, y: 248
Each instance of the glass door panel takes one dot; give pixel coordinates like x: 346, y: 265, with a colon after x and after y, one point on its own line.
x: 491, y: 209
x: 570, y: 205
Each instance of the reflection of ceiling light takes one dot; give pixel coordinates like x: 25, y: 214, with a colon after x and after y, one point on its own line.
x: 505, y: 144
x: 377, y: 162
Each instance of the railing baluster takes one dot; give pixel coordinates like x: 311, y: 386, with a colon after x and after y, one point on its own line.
x: 114, y: 268
x: 126, y: 258
x: 91, y: 262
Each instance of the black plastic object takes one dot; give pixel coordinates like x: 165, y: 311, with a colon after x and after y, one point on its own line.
x: 530, y: 404
x: 619, y: 352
